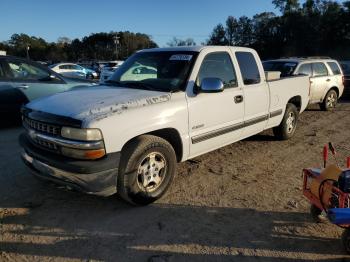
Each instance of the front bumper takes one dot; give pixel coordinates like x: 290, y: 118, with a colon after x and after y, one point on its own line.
x: 98, y: 177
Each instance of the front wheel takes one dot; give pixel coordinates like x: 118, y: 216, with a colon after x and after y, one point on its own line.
x: 330, y: 101
x: 147, y: 169
x: 289, y: 123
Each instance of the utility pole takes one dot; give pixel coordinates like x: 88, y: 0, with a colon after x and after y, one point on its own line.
x: 116, y: 42
x: 27, y: 49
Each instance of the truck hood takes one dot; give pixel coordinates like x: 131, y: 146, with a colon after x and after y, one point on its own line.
x: 97, y: 102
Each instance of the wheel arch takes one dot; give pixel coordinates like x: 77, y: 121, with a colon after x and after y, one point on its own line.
x: 297, y: 101
x: 171, y: 135
x: 335, y: 88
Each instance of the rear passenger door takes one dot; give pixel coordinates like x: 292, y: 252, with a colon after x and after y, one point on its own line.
x: 256, y: 93
x: 319, y: 82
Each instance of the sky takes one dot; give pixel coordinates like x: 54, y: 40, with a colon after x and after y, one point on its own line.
x: 162, y: 19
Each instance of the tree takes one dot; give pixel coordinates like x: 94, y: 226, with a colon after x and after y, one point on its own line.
x: 63, y: 40
x: 287, y: 6
x: 180, y: 42
x: 98, y: 46
x: 218, y: 36
x: 231, y: 30
x: 318, y: 27
x: 245, y: 32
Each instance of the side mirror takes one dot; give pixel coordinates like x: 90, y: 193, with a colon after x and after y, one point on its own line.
x: 211, y: 85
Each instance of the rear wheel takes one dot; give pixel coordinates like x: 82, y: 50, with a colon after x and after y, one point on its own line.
x: 289, y: 123
x: 330, y: 101
x: 147, y: 169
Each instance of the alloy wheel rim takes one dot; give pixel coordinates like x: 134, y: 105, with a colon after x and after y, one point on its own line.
x: 331, y: 100
x: 151, y: 172
x: 290, y: 122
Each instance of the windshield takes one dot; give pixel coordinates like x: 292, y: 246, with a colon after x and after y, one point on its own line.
x: 162, y: 71
x: 285, y: 67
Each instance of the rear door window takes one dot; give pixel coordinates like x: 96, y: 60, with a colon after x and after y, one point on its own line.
x: 319, y: 69
x: 335, y: 68
x: 305, y: 69
x: 249, y: 68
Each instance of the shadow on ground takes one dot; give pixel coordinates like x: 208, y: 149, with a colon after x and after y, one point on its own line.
x: 71, y: 225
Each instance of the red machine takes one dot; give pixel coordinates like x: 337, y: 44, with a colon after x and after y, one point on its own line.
x: 329, y: 189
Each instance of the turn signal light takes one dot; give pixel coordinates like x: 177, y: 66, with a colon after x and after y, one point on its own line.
x: 94, y: 154
x: 83, y: 154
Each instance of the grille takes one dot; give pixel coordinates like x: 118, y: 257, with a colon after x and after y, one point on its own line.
x: 42, y: 127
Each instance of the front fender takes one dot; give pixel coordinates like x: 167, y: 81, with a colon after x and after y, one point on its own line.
x: 120, y: 127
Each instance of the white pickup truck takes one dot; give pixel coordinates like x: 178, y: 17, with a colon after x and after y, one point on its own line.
x: 161, y: 107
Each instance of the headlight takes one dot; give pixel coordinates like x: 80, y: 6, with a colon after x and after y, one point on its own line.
x: 83, y: 134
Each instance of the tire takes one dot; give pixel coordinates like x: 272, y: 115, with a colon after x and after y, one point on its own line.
x: 330, y: 101
x: 346, y: 240
x: 147, y: 168
x: 288, y: 125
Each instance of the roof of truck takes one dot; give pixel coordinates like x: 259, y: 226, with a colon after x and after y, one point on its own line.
x: 189, y: 48
x: 178, y: 48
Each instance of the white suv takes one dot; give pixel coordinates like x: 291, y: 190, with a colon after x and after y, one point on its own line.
x: 326, y: 77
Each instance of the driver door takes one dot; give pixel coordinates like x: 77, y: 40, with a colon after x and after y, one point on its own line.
x: 215, y: 119
x: 33, y: 81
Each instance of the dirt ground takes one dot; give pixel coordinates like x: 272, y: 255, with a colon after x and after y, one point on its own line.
x: 241, y: 203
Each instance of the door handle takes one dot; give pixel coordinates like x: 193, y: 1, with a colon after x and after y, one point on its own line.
x: 238, y: 99
x: 328, y: 80
x: 23, y: 86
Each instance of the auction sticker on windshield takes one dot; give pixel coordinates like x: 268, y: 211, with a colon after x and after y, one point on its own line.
x: 181, y: 57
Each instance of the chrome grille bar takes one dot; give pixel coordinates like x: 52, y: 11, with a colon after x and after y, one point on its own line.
x: 41, y: 127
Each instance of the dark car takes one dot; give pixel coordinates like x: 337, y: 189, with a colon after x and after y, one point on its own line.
x: 346, y: 70
x: 345, y: 65
x: 23, y: 80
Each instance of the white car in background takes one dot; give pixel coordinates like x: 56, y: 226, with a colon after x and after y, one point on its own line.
x: 326, y: 77
x: 108, y: 70
x: 73, y: 71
